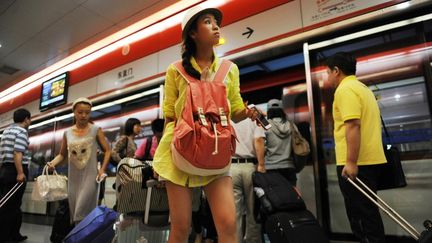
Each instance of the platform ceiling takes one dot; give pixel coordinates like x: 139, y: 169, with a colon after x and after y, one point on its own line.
x: 37, y: 33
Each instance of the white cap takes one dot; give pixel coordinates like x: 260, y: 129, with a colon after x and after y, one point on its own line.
x: 81, y: 100
x: 274, y: 103
x: 193, y: 13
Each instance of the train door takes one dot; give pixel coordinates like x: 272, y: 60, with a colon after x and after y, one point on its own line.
x: 282, y: 77
x: 394, y: 61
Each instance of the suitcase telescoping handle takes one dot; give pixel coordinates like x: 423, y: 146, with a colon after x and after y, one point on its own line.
x: 384, y: 207
x: 10, y: 193
x: 150, y: 184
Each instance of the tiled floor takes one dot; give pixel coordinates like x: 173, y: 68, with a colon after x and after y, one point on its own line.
x: 36, y: 233
x: 41, y: 234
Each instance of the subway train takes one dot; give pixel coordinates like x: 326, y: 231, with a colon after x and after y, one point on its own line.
x: 392, y: 41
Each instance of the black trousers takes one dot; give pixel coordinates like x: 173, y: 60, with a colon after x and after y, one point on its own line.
x: 10, y: 213
x: 364, y: 216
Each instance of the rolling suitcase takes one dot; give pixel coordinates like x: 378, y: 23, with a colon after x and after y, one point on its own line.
x: 97, y: 227
x: 283, y: 212
x: 294, y: 227
x: 133, y: 228
x: 131, y: 188
x: 423, y: 237
x: 278, y: 191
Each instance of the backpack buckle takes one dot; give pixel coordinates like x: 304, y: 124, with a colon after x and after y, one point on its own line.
x: 202, y: 116
x: 223, y: 117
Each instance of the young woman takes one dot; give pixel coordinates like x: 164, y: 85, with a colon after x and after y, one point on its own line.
x: 79, y: 147
x: 125, y: 145
x: 200, y: 33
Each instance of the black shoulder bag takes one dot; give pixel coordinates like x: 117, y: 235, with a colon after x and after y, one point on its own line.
x: 392, y: 174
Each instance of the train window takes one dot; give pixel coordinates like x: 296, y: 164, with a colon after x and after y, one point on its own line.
x: 42, y: 148
x: 405, y: 110
x: 110, y: 116
x: 284, y: 62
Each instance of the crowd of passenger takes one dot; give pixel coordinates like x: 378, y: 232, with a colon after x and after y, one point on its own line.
x: 227, y: 198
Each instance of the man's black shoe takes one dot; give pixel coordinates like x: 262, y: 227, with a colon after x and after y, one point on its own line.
x: 20, y: 238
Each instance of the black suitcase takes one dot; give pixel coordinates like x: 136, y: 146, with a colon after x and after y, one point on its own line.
x: 278, y: 191
x: 294, y: 227
x: 424, y: 237
x: 61, y: 226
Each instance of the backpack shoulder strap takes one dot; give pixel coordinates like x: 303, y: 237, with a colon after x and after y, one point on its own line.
x: 223, y: 70
x: 148, y: 147
x: 221, y: 73
x: 179, y: 66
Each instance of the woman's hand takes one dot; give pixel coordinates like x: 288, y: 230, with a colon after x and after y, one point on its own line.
x: 101, y: 176
x: 51, y: 166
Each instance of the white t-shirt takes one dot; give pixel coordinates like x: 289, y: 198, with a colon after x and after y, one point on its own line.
x: 247, y: 131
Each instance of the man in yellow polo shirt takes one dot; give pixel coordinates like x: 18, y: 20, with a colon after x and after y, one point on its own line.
x: 359, y: 150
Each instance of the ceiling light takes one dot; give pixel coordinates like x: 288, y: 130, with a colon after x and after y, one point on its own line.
x: 403, y: 5
x: 0, y: 45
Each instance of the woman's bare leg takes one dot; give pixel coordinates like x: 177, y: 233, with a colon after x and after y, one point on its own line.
x: 221, y: 200
x: 180, y: 205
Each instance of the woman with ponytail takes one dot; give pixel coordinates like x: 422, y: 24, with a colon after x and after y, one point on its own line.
x: 200, y: 33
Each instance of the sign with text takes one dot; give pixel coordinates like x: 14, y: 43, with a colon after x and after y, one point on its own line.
x: 129, y: 73
x: 316, y: 11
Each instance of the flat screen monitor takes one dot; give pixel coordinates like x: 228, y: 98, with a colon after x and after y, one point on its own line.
x: 54, y: 92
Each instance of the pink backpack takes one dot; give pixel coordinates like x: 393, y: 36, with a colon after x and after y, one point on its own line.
x: 204, y: 139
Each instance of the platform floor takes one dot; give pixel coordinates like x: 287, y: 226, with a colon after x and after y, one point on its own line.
x: 41, y: 234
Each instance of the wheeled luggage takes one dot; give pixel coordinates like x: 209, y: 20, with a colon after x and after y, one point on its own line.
x: 61, y: 226
x: 424, y: 237
x: 97, y: 227
x: 132, y: 227
x: 278, y: 191
x: 294, y: 227
x: 280, y: 207
x: 131, y: 188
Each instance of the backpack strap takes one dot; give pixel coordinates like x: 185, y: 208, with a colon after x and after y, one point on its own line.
x: 220, y: 75
x: 148, y: 147
x: 223, y: 70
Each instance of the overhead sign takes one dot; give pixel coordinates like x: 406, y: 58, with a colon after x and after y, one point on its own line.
x: 280, y: 20
x: 248, y: 33
x: 316, y: 11
x: 129, y: 73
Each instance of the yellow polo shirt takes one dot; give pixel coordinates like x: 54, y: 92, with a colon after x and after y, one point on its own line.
x: 174, y: 100
x: 354, y: 100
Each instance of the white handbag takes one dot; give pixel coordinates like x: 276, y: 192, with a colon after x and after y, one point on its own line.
x: 50, y: 187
